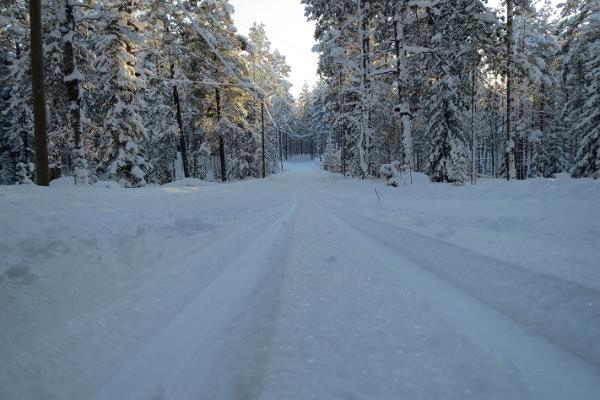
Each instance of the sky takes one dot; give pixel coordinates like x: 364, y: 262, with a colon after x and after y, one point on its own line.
x: 290, y: 33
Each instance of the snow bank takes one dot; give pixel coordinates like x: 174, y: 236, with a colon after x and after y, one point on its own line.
x: 66, y: 181
x: 396, y: 175
x: 107, y: 185
x: 87, y: 276
x: 188, y: 182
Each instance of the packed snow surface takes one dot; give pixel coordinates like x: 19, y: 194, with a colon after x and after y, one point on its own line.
x: 306, y: 285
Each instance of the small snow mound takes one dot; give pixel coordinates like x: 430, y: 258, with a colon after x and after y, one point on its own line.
x: 66, y: 181
x: 187, y: 182
x: 418, y: 178
x: 397, y: 175
x: 562, y: 177
x: 107, y: 185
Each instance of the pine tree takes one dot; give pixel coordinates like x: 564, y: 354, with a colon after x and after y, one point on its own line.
x: 448, y: 103
x: 331, y: 157
x: 588, y: 154
x: 509, y: 169
x: 73, y: 79
x: 124, y: 81
x: 448, y: 161
x: 17, y: 128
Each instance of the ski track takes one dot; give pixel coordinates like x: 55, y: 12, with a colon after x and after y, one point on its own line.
x: 503, y: 285
x: 177, y: 363
x: 75, y: 345
x: 550, y: 371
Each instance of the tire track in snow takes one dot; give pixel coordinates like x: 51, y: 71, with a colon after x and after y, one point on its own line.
x: 181, y: 360
x: 551, y: 371
x: 563, y: 311
x: 248, y: 336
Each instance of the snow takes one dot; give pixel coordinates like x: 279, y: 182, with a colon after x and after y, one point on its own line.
x: 187, y: 182
x: 303, y: 285
x: 76, y: 75
x: 63, y: 182
x: 107, y: 185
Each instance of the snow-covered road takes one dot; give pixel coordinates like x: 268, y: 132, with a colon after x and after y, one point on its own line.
x: 304, y: 286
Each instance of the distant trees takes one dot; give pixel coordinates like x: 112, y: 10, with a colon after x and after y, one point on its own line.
x: 450, y: 89
x: 140, y: 91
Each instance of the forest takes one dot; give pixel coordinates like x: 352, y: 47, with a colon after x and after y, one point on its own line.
x: 143, y: 91
x: 182, y: 219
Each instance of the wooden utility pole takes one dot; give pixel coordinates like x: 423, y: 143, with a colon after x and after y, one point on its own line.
x: 39, y: 101
x: 262, y: 137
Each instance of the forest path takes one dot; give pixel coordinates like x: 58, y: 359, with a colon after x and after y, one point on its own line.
x: 325, y: 304
x: 305, y: 285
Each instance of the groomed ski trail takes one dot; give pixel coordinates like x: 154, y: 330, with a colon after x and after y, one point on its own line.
x: 549, y: 370
x: 181, y: 360
x: 327, y: 304
x: 293, y: 292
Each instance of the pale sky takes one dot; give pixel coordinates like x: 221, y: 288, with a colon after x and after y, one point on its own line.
x: 290, y: 33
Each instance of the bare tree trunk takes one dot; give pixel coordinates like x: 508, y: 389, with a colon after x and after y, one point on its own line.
x: 341, y: 123
x: 182, y: 142
x: 363, y: 139
x: 509, y: 152
x: 72, y: 82
x: 279, y: 134
x: 403, y: 106
x: 262, y: 138
x: 22, y: 120
x: 221, y: 142
x: 474, y: 168
x: 39, y: 101
x: 492, y: 146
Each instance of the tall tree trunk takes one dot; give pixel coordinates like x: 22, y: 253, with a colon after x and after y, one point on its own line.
x: 262, y: 139
x: 403, y: 106
x: 539, y: 148
x: 509, y: 152
x: 221, y: 142
x: 182, y: 142
x: 341, y: 123
x: 474, y: 167
x: 72, y: 82
x: 492, y: 145
x: 279, y: 134
x: 39, y: 101
x: 365, y: 106
x: 25, y: 153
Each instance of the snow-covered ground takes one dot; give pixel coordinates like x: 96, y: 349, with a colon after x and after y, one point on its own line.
x: 303, y: 286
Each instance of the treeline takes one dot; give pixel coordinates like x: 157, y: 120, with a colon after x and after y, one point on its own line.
x: 456, y: 90
x: 139, y: 89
